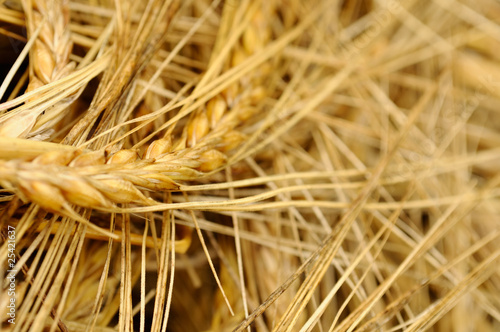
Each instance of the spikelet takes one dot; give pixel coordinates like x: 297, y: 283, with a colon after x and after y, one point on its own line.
x: 197, y: 129
x: 123, y: 157
x: 47, y: 196
x: 158, y: 147
x: 120, y: 191
x: 211, y: 160
x: 216, y: 107
x: 77, y: 191
x: 93, y: 158
x: 49, y: 61
x: 61, y: 158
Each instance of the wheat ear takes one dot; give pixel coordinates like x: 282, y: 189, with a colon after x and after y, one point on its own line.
x: 92, y: 179
x: 49, y: 62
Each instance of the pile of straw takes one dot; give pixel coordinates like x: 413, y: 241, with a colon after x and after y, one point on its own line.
x: 257, y: 165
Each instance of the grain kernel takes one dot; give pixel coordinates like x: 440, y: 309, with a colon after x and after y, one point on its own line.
x: 62, y: 158
x: 231, y: 140
x: 43, y: 194
x: 158, y: 181
x: 34, y: 84
x: 256, y: 95
x: 184, y: 173
x: 158, y: 147
x: 246, y: 113
x: 123, y: 157
x: 252, y: 41
x: 238, y: 57
x: 230, y: 94
x: 211, y: 160
x: 20, y: 125
x: 79, y: 192
x: 44, y: 62
x: 120, y: 191
x: 197, y: 128
x: 89, y: 159
x: 215, y: 110
x: 149, y: 127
